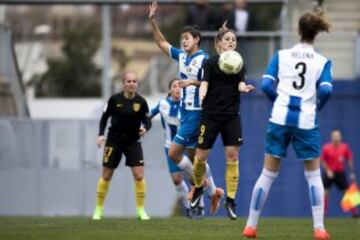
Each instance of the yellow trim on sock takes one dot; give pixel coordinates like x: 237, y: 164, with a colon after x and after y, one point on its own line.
x: 232, y: 178
x: 102, y: 190
x: 199, y: 172
x: 140, y: 190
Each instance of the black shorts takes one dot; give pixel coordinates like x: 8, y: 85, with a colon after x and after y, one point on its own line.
x: 210, y: 127
x: 113, y: 153
x: 339, y: 179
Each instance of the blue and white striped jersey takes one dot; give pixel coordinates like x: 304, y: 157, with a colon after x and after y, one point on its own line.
x: 190, y: 67
x: 170, y: 118
x: 299, y: 72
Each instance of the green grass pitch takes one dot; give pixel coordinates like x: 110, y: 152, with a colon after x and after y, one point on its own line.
x: 59, y: 228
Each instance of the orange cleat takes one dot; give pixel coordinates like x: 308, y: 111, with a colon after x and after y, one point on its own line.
x: 249, y: 232
x: 215, y: 200
x: 321, y: 234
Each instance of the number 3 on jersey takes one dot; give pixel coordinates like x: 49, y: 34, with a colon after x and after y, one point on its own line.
x: 302, y: 67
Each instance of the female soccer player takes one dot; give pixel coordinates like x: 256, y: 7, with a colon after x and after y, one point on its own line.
x: 190, y: 61
x: 221, y: 104
x: 169, y: 110
x: 130, y: 120
x: 292, y: 81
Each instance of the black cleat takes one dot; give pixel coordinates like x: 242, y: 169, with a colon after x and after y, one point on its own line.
x: 188, y: 213
x: 230, y: 208
x: 195, y: 201
x: 197, y: 213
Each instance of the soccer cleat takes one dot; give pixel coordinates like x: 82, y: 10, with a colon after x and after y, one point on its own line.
x: 321, y: 234
x: 191, y: 192
x: 215, y: 200
x: 197, y: 213
x: 249, y: 232
x: 195, y: 201
x: 142, y: 215
x: 230, y: 208
x: 187, y: 213
x: 98, y: 213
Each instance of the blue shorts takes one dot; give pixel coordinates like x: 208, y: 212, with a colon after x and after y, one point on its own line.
x: 306, y: 143
x: 187, y: 134
x: 171, y: 165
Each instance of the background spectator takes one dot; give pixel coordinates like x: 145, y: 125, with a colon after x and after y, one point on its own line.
x: 202, y: 15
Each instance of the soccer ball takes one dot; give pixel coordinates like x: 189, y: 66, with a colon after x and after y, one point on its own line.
x: 230, y: 62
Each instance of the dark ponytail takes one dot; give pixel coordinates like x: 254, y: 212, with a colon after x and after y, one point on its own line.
x: 310, y: 24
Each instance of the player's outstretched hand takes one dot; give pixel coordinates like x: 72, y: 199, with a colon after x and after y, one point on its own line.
x: 152, y: 9
x: 142, y: 132
x: 100, y: 141
x: 246, y: 88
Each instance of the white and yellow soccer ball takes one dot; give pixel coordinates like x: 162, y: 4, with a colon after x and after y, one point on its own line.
x: 230, y: 62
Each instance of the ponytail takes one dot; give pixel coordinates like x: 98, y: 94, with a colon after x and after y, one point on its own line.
x: 310, y: 24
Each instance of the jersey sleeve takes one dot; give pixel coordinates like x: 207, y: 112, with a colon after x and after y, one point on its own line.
x: 325, y: 77
x: 200, y: 75
x: 105, y: 116
x: 145, y: 118
x: 324, y: 85
x: 155, y: 111
x: 242, y: 74
x: 174, y: 53
x: 206, y: 71
x: 273, y: 68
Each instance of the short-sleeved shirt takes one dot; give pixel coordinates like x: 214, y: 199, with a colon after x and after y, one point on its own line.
x: 298, y: 71
x: 190, y: 67
x: 336, y: 156
x: 222, y: 97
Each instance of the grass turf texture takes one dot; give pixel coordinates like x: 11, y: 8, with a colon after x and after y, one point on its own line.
x: 41, y: 228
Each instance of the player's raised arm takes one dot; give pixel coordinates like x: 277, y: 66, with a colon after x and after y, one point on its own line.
x: 158, y: 36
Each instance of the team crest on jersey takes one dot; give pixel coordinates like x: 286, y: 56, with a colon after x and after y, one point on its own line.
x: 136, y: 107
